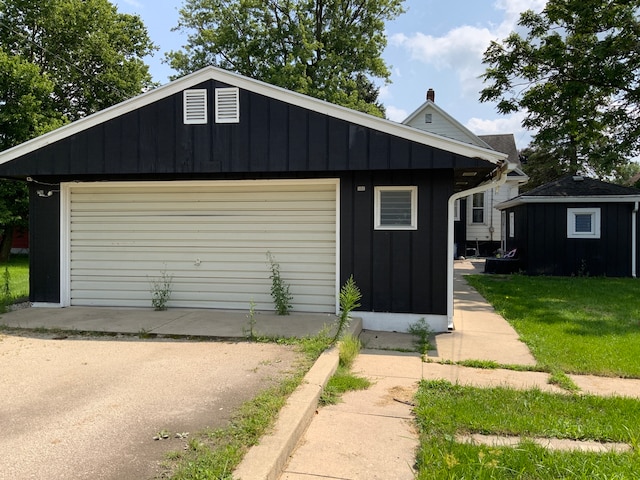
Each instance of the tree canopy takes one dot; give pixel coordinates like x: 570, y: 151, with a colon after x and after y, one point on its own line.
x: 61, y: 60
x: 328, y: 49
x: 91, y: 52
x: 575, y: 73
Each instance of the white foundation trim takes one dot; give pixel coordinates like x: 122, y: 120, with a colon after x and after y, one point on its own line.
x: 46, y: 305
x: 399, y: 322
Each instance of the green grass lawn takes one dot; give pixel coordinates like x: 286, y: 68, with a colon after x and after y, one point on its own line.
x: 444, y: 410
x: 578, y: 325
x: 573, y: 325
x: 18, y: 278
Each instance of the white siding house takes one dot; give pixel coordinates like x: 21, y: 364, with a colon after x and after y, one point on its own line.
x: 481, y: 231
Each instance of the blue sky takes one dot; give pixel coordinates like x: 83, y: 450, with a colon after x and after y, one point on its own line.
x: 436, y: 44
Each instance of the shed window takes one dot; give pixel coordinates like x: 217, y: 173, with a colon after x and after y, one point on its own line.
x: 477, y: 208
x: 583, y: 223
x: 396, y: 208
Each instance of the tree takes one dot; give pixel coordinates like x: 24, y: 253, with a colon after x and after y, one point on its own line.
x: 328, y: 49
x: 61, y: 60
x: 541, y: 167
x: 26, y: 110
x: 576, y: 75
x: 91, y: 53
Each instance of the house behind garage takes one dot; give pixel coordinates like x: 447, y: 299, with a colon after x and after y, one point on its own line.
x: 478, y: 224
x: 202, y: 177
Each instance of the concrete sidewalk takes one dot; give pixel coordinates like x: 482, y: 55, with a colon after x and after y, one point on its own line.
x: 371, y: 433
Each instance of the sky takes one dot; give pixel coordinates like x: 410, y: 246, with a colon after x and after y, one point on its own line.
x: 435, y: 44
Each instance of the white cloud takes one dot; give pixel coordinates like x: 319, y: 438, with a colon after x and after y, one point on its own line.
x: 460, y: 50
x: 481, y: 126
x: 396, y: 114
x: 510, y: 124
x: 134, y: 3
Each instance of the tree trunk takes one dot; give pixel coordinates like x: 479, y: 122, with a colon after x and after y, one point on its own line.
x: 5, y: 244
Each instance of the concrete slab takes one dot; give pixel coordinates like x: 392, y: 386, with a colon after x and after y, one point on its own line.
x: 607, y: 386
x: 369, y: 435
x: 175, y: 321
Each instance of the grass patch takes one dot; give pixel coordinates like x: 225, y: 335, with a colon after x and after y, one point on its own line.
x: 577, y: 325
x: 445, y: 459
x: 444, y: 410
x: 17, y: 281
x: 343, y: 380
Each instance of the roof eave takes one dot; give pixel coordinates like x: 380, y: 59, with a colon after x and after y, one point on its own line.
x: 514, y: 202
x: 255, y: 86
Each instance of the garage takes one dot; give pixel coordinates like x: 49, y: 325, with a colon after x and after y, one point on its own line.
x: 210, y: 237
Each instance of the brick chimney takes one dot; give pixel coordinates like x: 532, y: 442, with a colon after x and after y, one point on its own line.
x: 431, y: 95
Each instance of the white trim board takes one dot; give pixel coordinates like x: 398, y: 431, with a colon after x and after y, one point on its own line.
x: 399, y: 322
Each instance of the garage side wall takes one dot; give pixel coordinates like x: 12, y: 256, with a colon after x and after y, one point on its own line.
x: 396, y: 271
x: 44, y: 241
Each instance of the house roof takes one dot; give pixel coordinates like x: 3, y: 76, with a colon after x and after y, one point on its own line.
x: 261, y: 88
x: 575, y: 188
x: 506, y: 143
x: 462, y: 132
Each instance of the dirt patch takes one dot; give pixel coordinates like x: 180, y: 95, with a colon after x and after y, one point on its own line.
x: 398, y: 394
x: 91, y: 407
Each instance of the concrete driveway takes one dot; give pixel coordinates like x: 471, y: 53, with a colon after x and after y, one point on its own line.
x: 88, y: 408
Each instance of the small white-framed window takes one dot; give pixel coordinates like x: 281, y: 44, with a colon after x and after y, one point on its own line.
x: 477, y: 208
x: 512, y: 224
x: 396, y: 208
x: 456, y: 210
x: 583, y: 222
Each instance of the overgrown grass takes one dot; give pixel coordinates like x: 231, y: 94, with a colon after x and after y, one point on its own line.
x: 216, y: 454
x: 344, y: 380
x: 444, y: 410
x: 18, y: 281
x: 577, y: 325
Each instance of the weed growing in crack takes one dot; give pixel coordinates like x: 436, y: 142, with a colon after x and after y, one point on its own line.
x: 161, y: 290
x: 279, y: 288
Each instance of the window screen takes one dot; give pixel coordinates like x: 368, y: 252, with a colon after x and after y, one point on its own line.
x: 583, y: 223
x: 395, y: 208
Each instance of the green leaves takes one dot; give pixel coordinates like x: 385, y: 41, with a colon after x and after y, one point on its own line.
x: 575, y: 72
x: 328, y: 49
x: 91, y: 53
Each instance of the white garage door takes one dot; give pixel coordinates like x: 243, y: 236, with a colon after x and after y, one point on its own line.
x: 211, y: 237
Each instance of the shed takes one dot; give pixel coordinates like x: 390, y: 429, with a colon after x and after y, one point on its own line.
x: 204, y: 176
x: 575, y: 226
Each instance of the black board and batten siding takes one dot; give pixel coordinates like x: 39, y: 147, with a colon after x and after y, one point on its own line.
x: 397, y: 271
x: 540, y: 235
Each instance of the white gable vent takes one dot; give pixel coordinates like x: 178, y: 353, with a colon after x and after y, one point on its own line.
x: 227, y: 105
x: 195, y: 106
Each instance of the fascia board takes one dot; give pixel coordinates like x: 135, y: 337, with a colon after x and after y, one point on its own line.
x: 261, y: 88
x: 554, y: 199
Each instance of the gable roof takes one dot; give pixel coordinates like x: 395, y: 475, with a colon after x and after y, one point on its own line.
x: 456, y: 130
x: 506, y: 143
x: 261, y: 88
x: 575, y: 188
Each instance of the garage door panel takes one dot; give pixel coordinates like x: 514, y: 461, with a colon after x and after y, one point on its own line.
x: 213, y: 241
